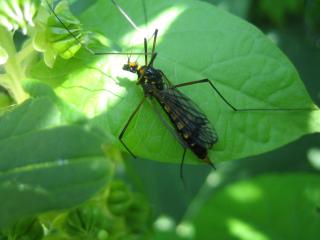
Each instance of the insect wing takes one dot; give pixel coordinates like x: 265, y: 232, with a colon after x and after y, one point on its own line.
x: 189, y: 114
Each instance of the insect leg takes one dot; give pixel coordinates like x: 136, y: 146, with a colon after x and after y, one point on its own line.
x: 166, y: 79
x: 213, y: 87
x: 181, y: 164
x: 175, y: 135
x: 79, y: 41
x: 153, y: 54
x: 207, y: 160
x: 127, y: 124
x: 233, y: 107
x: 145, y: 51
x: 154, y: 45
x: 153, y: 57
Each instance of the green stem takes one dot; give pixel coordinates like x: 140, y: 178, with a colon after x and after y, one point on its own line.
x: 12, y: 67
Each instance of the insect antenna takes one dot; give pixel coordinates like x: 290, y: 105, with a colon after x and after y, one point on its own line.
x: 84, y: 45
x: 132, y: 23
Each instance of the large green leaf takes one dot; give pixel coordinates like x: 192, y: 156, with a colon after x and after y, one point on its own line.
x: 44, y: 166
x: 196, y: 41
x: 270, y: 207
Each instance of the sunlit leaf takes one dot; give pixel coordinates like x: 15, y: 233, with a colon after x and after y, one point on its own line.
x: 196, y: 41
x: 265, y: 208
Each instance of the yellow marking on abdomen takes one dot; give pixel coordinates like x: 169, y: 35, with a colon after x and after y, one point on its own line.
x: 186, y: 135
x: 173, y: 116
x: 180, y: 125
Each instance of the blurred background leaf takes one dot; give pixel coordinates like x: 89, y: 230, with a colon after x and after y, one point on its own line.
x: 293, y: 26
x: 37, y: 158
x: 283, y: 206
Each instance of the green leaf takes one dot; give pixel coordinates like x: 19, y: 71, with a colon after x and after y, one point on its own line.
x: 44, y: 166
x: 239, y: 8
x: 26, y: 228
x: 267, y: 207
x: 51, y: 37
x: 39, y: 89
x: 196, y: 41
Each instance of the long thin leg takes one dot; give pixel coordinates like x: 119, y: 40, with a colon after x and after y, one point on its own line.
x: 175, y: 135
x: 207, y: 160
x: 145, y: 51
x: 83, y: 45
x: 166, y: 79
x: 152, y: 59
x: 233, y: 107
x: 153, y: 54
x: 127, y: 124
x: 154, y: 45
x: 214, y: 88
x: 181, y: 164
x: 147, y: 41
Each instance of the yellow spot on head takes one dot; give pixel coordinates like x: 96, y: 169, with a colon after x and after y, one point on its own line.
x: 132, y: 64
x: 186, y: 135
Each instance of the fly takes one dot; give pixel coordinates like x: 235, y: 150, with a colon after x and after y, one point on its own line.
x: 192, y: 128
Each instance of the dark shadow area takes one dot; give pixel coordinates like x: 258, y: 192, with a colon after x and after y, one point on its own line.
x: 162, y: 184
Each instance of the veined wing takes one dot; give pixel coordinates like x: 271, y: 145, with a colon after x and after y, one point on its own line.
x: 189, y: 114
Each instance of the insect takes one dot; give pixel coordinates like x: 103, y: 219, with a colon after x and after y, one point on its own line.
x: 191, y: 126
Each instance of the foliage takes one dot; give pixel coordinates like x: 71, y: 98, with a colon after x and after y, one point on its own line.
x: 59, y: 148
x: 272, y: 210
x: 277, y: 11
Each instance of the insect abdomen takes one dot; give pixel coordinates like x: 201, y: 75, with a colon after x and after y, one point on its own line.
x: 187, y: 136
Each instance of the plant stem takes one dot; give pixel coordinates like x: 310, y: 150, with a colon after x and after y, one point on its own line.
x: 14, y: 71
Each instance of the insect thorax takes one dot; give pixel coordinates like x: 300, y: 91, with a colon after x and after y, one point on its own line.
x: 151, y: 79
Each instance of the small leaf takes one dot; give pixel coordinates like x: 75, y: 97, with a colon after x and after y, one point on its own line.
x: 267, y: 207
x: 52, y: 38
x: 44, y: 166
